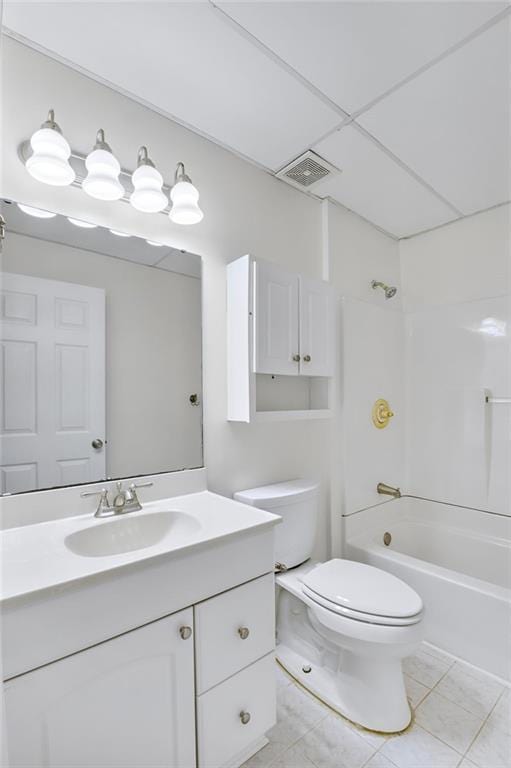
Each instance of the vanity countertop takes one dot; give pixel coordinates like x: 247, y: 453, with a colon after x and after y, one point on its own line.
x: 36, y: 557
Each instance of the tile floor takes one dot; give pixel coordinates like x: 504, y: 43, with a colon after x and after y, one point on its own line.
x: 462, y: 720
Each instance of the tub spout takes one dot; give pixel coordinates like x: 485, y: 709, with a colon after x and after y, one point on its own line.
x: 388, y: 490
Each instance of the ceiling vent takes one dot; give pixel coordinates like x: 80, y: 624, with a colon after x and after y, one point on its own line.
x: 306, y: 170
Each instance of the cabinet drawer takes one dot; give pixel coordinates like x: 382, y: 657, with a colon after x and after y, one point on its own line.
x: 221, y: 732
x: 222, y: 644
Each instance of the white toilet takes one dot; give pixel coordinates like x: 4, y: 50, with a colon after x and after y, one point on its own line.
x: 343, y: 627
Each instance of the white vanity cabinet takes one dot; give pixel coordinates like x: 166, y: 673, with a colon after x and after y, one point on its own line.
x: 126, y: 702
x: 281, y: 331
x: 203, y: 676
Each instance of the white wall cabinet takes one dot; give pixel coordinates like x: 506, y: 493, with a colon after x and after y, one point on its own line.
x: 132, y: 701
x: 281, y: 342
x: 276, y: 300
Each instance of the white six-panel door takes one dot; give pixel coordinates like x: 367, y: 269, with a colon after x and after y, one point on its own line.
x: 317, y: 327
x: 52, y: 402
x: 276, y: 320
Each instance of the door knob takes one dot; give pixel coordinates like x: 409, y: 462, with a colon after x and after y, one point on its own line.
x: 97, y: 443
x: 185, y: 632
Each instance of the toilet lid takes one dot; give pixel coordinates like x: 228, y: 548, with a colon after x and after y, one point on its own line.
x: 363, y: 588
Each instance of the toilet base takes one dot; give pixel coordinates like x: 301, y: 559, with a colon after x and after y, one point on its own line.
x: 375, y: 701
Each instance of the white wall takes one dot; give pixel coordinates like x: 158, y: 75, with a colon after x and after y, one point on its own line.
x: 146, y: 391
x: 456, y: 283
x: 246, y: 211
x: 370, y: 363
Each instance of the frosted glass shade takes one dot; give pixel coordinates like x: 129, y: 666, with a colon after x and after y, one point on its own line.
x: 102, y: 180
x: 49, y: 161
x: 80, y: 223
x: 148, y: 196
x: 39, y: 213
x: 185, y: 204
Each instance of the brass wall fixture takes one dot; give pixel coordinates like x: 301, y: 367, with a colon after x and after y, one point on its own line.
x: 382, y: 413
x: 388, y: 490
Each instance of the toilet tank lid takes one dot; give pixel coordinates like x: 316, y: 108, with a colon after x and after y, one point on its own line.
x: 277, y: 494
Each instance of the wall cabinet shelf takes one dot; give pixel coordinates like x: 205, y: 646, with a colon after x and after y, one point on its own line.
x: 281, y: 343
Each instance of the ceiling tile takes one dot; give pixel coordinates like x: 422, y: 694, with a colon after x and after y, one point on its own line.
x: 451, y: 124
x: 185, y: 60
x: 374, y: 186
x: 355, y: 51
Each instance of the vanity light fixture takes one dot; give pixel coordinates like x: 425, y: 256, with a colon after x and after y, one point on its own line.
x: 148, y: 195
x: 185, y: 199
x: 49, y: 161
x: 102, y: 180
x: 83, y: 224
x: 119, y: 234
x: 47, y: 158
x: 39, y: 213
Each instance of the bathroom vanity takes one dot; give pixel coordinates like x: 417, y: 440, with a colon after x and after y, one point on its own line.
x: 141, y: 640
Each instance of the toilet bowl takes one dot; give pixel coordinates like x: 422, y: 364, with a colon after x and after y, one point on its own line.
x: 343, y: 627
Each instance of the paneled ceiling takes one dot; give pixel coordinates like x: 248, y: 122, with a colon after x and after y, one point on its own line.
x: 409, y: 99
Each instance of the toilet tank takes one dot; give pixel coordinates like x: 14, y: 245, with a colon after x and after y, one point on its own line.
x: 296, y: 502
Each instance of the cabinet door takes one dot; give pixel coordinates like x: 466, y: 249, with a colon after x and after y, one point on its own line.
x: 127, y: 702
x: 317, y: 328
x: 276, y: 320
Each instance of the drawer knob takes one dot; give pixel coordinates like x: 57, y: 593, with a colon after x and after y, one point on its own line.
x: 243, y: 632
x: 245, y: 717
x: 185, y: 632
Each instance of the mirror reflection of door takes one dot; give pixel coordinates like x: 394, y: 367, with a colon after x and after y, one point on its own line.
x: 52, y: 399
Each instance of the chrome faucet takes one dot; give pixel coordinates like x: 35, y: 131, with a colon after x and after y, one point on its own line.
x: 125, y: 500
x: 388, y: 490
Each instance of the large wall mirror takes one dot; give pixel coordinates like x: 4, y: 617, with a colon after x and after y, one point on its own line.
x: 101, y: 354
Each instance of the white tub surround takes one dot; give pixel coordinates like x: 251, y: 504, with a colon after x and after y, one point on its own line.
x: 81, y: 632
x: 458, y: 560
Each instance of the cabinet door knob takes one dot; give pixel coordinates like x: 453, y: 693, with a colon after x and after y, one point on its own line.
x: 185, y: 632
x: 296, y: 358
x: 306, y: 358
x: 245, y: 717
x: 243, y: 632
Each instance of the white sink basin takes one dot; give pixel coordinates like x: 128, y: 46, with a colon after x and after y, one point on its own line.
x: 129, y: 533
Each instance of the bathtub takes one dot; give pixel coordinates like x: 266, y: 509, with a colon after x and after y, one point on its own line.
x: 458, y: 560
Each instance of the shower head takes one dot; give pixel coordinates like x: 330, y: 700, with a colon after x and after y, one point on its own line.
x: 390, y: 290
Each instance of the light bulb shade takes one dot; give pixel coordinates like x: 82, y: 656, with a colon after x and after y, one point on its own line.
x: 80, y: 223
x: 102, y: 180
x: 39, y: 213
x: 185, y: 204
x: 148, y: 195
x: 49, y: 161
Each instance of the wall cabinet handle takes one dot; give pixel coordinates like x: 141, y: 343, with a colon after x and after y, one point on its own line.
x: 306, y: 358
x: 185, y: 632
x: 243, y: 632
x: 296, y: 358
x: 245, y: 717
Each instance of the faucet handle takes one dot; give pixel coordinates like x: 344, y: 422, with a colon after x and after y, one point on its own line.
x: 103, y: 508
x: 103, y: 493
x: 133, y: 486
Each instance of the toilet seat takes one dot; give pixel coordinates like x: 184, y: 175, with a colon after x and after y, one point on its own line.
x: 362, y: 593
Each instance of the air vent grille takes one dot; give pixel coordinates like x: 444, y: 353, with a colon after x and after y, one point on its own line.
x: 306, y: 170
